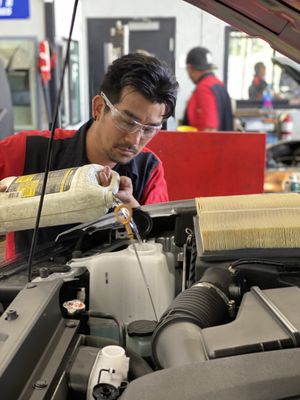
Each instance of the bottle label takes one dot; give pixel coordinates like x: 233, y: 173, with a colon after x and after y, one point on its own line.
x: 31, y: 185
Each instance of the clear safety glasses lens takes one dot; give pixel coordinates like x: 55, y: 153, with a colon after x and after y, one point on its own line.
x: 127, y: 124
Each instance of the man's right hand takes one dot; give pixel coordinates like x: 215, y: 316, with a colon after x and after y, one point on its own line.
x: 2, y: 188
x: 125, y: 189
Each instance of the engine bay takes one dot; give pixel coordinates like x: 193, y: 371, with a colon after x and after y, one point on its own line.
x: 186, y: 323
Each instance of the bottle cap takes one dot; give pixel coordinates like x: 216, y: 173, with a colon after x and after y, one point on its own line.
x: 74, y: 306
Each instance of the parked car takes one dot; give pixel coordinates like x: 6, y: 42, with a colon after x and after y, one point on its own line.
x: 282, y: 165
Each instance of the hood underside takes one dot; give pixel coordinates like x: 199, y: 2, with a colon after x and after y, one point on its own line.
x: 277, y: 22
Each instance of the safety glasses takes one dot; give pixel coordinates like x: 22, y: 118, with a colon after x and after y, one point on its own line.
x: 128, y: 124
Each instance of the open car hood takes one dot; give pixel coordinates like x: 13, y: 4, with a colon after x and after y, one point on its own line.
x: 289, y: 66
x: 277, y: 22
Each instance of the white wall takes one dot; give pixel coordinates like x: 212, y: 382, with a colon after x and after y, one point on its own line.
x: 194, y: 27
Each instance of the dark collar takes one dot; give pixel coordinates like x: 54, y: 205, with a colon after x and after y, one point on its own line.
x: 204, y: 76
x: 76, y: 148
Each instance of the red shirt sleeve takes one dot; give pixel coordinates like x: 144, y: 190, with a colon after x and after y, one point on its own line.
x: 12, y: 160
x: 202, y: 109
x: 12, y: 155
x: 156, y: 190
x: 13, y: 150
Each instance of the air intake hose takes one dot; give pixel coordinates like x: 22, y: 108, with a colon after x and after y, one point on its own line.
x: 177, y: 339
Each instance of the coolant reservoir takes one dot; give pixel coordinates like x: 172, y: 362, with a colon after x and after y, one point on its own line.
x: 72, y: 195
x: 117, y: 286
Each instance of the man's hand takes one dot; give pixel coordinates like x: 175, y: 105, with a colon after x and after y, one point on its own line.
x: 2, y: 188
x: 125, y: 192
x: 125, y: 187
x: 105, y: 176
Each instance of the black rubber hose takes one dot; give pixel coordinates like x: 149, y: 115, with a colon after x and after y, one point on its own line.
x: 219, y: 277
x: 204, y: 305
x: 119, y: 323
x: 201, y: 305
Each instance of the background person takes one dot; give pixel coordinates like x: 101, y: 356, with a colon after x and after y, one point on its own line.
x: 258, y: 84
x: 209, y: 107
x: 138, y: 92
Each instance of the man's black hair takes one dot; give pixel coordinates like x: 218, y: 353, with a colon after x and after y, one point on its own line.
x: 257, y: 66
x: 148, y: 75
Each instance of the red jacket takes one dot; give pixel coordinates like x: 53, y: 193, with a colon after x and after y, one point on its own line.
x: 25, y: 153
x: 209, y: 106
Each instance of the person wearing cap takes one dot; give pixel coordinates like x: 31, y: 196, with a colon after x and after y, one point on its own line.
x: 209, y: 107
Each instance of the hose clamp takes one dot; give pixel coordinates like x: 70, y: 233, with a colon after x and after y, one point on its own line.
x: 219, y: 292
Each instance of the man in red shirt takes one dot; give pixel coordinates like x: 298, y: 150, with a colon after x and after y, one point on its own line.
x: 138, y: 92
x: 209, y: 108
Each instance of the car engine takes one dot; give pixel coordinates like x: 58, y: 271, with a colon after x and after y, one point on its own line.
x: 108, y: 317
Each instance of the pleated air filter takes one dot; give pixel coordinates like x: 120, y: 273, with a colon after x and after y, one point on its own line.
x: 249, y: 221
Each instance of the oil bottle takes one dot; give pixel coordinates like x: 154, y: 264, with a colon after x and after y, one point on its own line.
x: 72, y: 195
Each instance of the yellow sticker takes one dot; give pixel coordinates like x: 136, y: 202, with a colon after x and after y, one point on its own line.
x: 31, y: 185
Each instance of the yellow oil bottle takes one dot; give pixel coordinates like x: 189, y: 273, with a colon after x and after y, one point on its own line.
x: 73, y: 195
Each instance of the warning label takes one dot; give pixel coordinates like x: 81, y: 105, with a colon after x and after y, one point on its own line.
x: 31, y: 185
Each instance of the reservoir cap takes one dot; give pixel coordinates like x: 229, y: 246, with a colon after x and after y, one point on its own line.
x: 142, y: 327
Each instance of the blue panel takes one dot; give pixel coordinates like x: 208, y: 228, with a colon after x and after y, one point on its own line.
x: 14, y: 9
